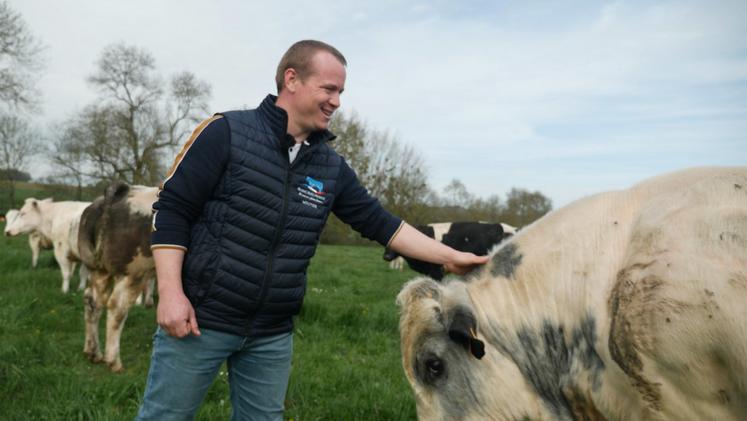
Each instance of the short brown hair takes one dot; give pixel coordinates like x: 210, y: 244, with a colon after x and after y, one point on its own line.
x: 299, y: 56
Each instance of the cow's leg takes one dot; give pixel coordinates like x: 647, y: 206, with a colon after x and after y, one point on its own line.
x: 34, y: 244
x: 147, y: 295
x: 123, y: 296
x: 94, y: 298
x: 150, y: 286
x: 397, y: 264
x: 84, y: 275
x: 66, y: 266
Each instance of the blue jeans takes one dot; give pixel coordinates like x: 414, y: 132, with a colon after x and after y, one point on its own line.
x: 182, y: 370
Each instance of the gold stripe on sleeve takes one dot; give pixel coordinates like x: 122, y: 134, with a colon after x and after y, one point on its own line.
x: 168, y: 246
x: 185, y: 148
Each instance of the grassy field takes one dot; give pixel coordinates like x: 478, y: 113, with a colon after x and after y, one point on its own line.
x: 346, y: 363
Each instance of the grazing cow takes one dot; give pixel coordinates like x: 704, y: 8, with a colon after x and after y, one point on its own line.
x: 628, y: 305
x: 37, y: 241
x: 115, y: 246
x: 473, y: 237
x: 57, y: 221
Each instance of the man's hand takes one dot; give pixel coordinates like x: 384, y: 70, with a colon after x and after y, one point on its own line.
x: 176, y: 316
x: 413, y: 243
x: 462, y: 262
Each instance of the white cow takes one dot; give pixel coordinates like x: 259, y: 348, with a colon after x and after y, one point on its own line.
x: 628, y: 305
x: 37, y: 241
x: 59, y: 222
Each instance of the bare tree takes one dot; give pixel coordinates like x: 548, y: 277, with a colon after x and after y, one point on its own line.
x: 18, y: 143
x: 352, y: 134
x: 391, y: 171
x: 20, y: 60
x: 397, y: 175
x: 68, y: 154
x: 124, y: 134
x: 457, y: 194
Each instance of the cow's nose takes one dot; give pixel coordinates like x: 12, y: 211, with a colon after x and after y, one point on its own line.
x: 7, y: 234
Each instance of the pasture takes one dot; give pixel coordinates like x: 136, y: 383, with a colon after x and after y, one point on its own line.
x: 346, y: 363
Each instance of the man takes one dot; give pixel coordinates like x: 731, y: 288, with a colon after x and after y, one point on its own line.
x: 236, y: 223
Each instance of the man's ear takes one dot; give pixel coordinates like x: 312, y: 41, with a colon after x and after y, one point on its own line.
x: 291, y: 79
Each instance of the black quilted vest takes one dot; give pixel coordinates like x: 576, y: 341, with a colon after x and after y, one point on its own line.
x: 245, y: 271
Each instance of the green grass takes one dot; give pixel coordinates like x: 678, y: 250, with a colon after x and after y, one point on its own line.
x: 346, y: 363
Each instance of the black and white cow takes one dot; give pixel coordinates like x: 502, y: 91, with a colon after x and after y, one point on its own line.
x: 473, y: 237
x: 115, y: 247
x: 627, y: 305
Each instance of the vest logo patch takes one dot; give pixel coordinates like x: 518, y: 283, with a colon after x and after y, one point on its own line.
x: 312, y: 192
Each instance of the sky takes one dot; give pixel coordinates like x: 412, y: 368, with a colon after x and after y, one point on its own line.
x: 569, y: 98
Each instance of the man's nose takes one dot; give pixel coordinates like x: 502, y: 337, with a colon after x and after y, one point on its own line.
x: 335, y: 100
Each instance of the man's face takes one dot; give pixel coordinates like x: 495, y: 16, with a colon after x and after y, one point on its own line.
x: 318, y: 96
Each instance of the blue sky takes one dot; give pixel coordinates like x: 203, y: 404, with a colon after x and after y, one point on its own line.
x: 566, y: 97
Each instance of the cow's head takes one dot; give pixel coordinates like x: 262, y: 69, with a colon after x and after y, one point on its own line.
x: 28, y: 218
x: 442, y: 352
x: 8, y: 218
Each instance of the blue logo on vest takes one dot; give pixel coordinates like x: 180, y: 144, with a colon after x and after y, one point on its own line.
x: 316, y: 186
x: 312, y: 193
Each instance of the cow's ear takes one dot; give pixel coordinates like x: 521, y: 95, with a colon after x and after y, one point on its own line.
x: 463, y: 330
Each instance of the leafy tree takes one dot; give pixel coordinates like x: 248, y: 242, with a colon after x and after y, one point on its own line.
x: 15, y: 175
x: 458, y: 204
x: 524, y: 207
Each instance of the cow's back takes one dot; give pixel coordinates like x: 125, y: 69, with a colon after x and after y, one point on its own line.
x: 678, y: 315
x: 115, y: 230
x: 65, y: 217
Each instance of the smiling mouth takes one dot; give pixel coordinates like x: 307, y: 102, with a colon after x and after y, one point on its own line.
x: 328, y: 113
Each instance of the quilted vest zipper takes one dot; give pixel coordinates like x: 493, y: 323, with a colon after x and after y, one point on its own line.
x: 273, y: 246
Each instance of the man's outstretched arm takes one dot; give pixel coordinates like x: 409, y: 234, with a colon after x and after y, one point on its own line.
x: 412, y: 243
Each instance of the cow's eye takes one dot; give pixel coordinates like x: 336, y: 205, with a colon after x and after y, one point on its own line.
x: 435, y: 367
x: 431, y: 369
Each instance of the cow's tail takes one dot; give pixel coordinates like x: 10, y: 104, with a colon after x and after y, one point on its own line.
x: 87, y: 232
x: 93, y: 218
x: 116, y: 191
